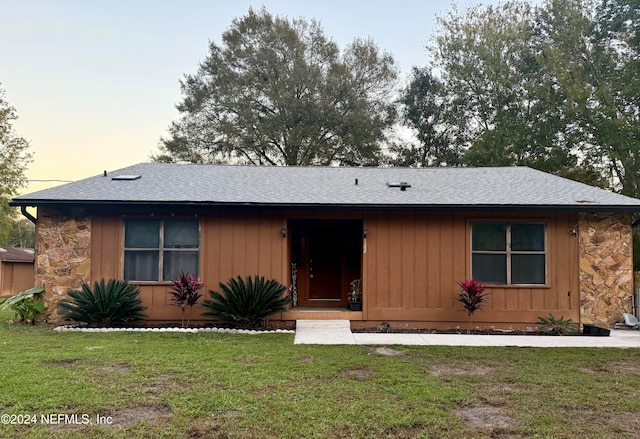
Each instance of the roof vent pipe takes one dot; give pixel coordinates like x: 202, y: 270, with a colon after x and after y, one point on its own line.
x: 403, y: 185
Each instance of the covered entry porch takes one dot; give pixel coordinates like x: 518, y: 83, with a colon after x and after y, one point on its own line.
x: 325, y: 257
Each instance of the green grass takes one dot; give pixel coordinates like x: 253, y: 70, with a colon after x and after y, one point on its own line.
x: 163, y: 385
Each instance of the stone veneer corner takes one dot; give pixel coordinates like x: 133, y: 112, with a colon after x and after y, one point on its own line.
x: 606, y: 267
x: 63, y: 261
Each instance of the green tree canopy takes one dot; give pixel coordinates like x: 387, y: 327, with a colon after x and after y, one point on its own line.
x: 14, y: 159
x: 280, y: 92
x: 553, y: 87
x: 14, y: 152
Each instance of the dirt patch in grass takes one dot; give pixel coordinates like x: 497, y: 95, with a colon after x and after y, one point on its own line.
x: 207, y: 428
x: 609, y: 423
x: 402, y: 432
x: 389, y: 352
x: 119, y: 368
x: 305, y: 360
x: 248, y: 360
x: 488, y: 418
x: 132, y: 415
x: 160, y: 384
x: 467, y: 369
x: 356, y: 373
x: 66, y: 362
x: 631, y: 367
x: 498, y: 394
x: 120, y: 418
x: 165, y: 376
x: 622, y: 422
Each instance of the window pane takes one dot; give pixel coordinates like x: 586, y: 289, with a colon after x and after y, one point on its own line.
x: 175, y: 262
x: 141, y: 265
x: 489, y: 236
x: 527, y: 237
x: 181, y: 234
x: 142, y: 233
x: 489, y: 269
x: 527, y: 269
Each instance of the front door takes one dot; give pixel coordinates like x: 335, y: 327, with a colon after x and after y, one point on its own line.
x: 325, y: 264
x: 327, y: 254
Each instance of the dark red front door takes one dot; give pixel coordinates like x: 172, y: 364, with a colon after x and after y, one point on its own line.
x: 325, y: 264
x: 327, y: 254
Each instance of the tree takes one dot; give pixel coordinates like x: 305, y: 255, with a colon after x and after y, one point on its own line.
x: 434, y: 120
x: 279, y: 92
x: 14, y: 152
x: 16, y: 231
x: 490, y: 69
x: 502, y: 102
x: 611, y: 107
x: 14, y: 158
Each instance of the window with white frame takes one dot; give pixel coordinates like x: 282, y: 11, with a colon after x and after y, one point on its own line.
x: 159, y: 249
x: 509, y: 253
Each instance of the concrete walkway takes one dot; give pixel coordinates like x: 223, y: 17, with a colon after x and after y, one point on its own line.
x: 339, y: 332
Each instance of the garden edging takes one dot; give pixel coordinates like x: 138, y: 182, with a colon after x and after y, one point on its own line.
x: 189, y: 330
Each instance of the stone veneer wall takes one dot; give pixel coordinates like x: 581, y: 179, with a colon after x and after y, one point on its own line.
x: 63, y: 261
x: 606, y: 267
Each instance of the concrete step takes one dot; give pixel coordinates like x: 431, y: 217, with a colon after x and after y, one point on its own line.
x: 322, y: 325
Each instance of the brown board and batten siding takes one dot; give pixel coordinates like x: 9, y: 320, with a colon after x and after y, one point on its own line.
x: 231, y: 243
x: 414, y: 261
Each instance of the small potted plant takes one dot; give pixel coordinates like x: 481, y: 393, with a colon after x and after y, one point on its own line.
x: 355, y: 296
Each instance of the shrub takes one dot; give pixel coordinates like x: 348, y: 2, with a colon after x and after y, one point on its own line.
x: 472, y: 296
x: 112, y: 303
x: 247, y: 302
x: 554, y: 326
x: 24, y: 305
x: 185, y: 293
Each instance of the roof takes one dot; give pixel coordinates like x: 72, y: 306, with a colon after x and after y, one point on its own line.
x: 168, y: 183
x: 16, y: 254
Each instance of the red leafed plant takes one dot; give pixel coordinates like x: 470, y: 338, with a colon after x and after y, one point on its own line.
x: 472, y: 296
x: 185, y: 292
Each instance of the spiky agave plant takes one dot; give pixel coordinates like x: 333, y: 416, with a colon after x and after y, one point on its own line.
x: 247, y: 302
x: 109, y: 303
x: 556, y: 326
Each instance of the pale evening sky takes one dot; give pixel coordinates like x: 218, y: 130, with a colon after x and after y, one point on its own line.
x: 95, y: 83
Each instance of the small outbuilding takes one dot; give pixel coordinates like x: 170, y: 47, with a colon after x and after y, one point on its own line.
x: 16, y: 270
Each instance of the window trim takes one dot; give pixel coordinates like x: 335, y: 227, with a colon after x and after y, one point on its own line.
x: 508, y: 252
x: 160, y: 249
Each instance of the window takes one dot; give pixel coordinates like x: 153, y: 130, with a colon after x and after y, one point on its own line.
x: 159, y: 249
x: 509, y: 253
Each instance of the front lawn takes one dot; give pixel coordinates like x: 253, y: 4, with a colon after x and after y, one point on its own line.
x: 210, y: 385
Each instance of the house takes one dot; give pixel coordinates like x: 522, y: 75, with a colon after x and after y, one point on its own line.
x: 16, y: 270
x: 542, y: 244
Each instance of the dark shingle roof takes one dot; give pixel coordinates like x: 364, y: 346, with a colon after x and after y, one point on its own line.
x: 160, y: 183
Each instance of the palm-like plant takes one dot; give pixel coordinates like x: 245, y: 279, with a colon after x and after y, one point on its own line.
x: 472, y: 297
x: 185, y: 292
x: 556, y: 326
x: 247, y: 302
x: 109, y: 303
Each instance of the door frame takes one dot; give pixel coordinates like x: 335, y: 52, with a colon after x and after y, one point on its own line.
x: 350, y: 240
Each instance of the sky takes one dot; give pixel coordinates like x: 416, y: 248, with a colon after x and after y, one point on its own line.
x: 95, y: 83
